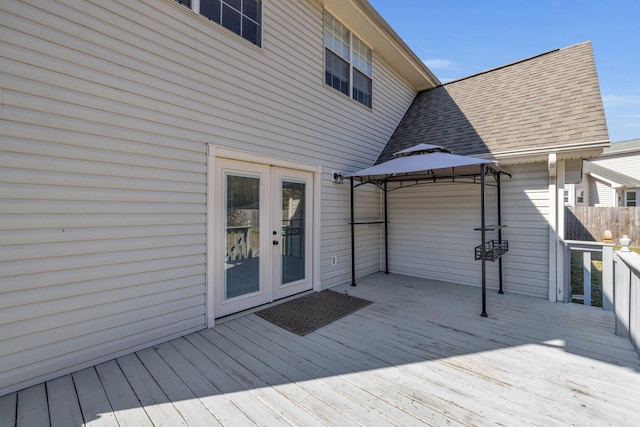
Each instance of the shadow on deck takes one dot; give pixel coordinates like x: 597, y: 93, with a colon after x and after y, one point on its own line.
x: 421, y: 354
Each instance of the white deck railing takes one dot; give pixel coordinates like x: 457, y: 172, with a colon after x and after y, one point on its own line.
x: 620, y: 284
x: 627, y: 296
x: 607, y: 270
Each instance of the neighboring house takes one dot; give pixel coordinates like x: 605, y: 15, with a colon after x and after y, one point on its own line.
x: 166, y: 163
x: 610, y: 180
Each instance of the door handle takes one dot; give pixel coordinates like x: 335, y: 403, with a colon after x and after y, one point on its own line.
x: 275, y: 243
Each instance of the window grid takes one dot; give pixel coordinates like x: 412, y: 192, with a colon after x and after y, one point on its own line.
x: 631, y: 198
x: 362, y: 56
x: 241, y: 17
x: 348, y: 61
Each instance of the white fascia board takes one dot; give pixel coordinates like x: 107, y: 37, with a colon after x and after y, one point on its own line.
x: 613, y: 184
x: 563, y: 151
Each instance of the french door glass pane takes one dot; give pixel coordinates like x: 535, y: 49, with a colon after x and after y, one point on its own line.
x: 292, y: 252
x: 242, y: 238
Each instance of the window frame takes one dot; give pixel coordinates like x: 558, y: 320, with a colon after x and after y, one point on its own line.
x: 359, y: 66
x: 194, y: 6
x: 635, y: 193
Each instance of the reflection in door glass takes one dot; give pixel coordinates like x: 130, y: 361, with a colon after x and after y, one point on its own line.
x: 292, y: 253
x: 242, y: 244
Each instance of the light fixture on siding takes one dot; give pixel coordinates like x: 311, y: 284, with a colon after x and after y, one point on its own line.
x: 337, y: 177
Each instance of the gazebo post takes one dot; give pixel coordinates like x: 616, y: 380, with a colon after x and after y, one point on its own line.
x: 499, y: 231
x: 353, y: 238
x: 386, y: 232
x: 483, y: 250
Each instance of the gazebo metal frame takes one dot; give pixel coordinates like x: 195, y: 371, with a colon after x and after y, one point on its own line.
x: 428, y: 164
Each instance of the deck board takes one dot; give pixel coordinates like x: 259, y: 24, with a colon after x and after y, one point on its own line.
x: 319, y: 365
x: 156, y: 403
x: 419, y: 355
x: 95, y: 406
x: 121, y: 395
x: 64, y: 408
x: 32, y: 408
x: 8, y: 410
x: 184, y: 400
x: 216, y: 402
x: 196, y: 350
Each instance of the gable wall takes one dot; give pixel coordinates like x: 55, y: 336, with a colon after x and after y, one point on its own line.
x: 432, y: 231
x: 600, y: 193
x: 106, y: 111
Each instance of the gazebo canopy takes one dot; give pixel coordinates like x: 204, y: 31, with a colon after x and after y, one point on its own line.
x: 424, y: 162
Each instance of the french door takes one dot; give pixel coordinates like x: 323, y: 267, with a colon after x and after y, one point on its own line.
x: 264, y: 220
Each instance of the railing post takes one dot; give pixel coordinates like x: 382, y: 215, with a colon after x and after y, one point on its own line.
x: 627, y: 297
x: 607, y: 277
x: 621, y: 302
x: 634, y: 312
x: 586, y: 277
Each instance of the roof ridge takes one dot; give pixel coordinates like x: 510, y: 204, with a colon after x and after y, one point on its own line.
x: 501, y: 67
x: 622, y: 147
x: 512, y: 63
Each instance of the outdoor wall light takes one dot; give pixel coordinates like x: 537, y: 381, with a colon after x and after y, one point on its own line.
x: 337, y: 177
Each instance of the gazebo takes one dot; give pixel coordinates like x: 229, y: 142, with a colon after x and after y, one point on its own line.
x: 427, y: 164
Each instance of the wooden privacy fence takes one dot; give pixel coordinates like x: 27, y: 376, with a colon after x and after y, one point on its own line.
x: 588, y: 223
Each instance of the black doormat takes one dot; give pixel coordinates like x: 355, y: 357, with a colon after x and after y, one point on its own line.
x: 306, y: 314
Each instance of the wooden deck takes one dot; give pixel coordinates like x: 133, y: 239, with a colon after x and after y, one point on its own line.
x: 421, y: 354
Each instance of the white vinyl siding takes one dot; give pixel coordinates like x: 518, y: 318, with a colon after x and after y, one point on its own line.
x: 525, y: 204
x: 431, y: 231
x: 107, y: 109
x: 601, y: 193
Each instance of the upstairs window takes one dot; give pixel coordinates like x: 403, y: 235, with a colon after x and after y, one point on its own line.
x: 242, y: 17
x: 348, y: 61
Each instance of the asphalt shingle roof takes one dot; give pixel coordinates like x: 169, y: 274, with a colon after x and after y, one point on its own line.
x: 547, y: 100
x: 622, y: 147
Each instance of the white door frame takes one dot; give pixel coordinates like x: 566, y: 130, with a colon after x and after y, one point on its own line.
x: 212, y: 234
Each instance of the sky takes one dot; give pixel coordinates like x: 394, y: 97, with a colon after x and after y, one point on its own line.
x: 458, y: 38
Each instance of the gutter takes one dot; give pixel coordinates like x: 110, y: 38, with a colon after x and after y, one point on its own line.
x: 543, y: 152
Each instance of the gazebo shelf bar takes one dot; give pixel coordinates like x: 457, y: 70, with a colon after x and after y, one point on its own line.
x: 368, y: 222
